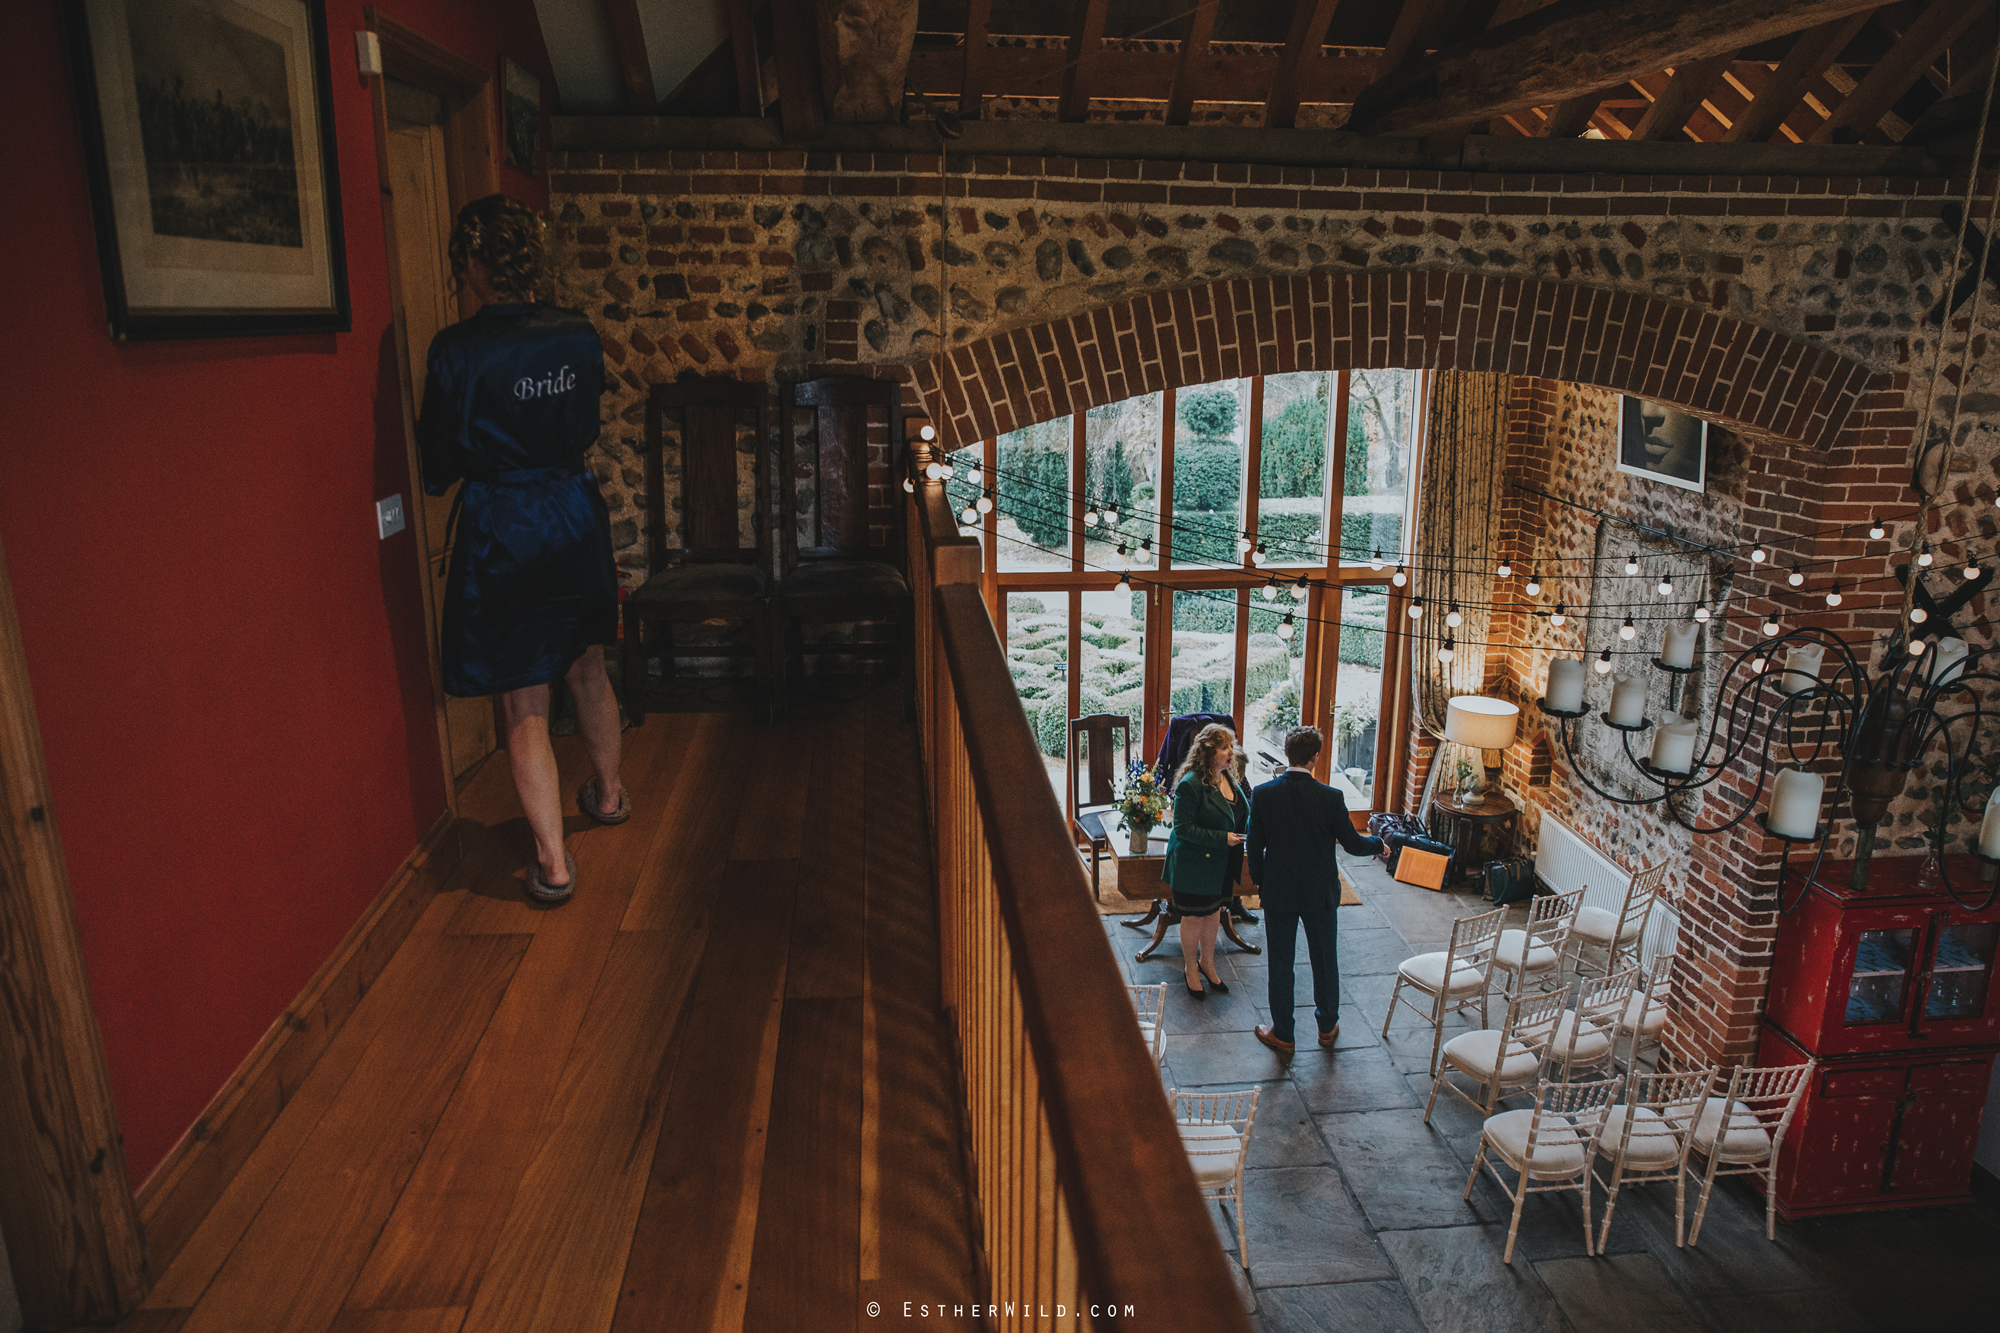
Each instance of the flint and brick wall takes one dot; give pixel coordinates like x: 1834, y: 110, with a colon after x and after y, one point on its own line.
x: 1007, y: 291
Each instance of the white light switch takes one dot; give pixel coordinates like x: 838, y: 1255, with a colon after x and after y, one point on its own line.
x: 389, y: 516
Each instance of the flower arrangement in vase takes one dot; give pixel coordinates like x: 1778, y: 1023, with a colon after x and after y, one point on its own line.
x: 1143, y: 804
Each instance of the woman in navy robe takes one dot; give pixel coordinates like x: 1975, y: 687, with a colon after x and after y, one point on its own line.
x: 510, y: 407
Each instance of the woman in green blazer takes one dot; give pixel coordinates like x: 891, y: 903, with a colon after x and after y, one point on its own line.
x: 1205, y: 848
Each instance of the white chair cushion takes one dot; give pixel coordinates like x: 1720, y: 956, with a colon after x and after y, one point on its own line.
x: 1595, y: 924
x: 1212, y: 1150
x: 1745, y: 1141
x: 1655, y: 1016
x: 1558, y: 1154
x: 1541, y: 958
x: 1593, y: 1044
x: 1474, y: 1053
x: 1654, y: 1146
x: 1427, y: 970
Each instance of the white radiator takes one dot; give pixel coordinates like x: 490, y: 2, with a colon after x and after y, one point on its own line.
x: 1565, y: 860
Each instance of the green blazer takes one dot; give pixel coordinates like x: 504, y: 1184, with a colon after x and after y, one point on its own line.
x: 1200, y: 862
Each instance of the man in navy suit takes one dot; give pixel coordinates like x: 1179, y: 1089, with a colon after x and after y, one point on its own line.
x: 1295, y: 823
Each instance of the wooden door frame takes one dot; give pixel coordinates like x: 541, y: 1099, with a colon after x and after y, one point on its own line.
x: 472, y: 171
x: 66, y: 1201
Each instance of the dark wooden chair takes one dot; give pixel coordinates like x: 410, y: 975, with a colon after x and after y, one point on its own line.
x: 830, y: 573
x: 1093, y: 810
x: 711, y: 575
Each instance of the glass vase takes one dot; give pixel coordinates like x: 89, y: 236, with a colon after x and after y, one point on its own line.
x: 1140, y: 834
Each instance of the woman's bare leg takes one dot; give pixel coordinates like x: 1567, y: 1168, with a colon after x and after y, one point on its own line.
x: 597, y: 719
x: 1191, y: 950
x: 1210, y: 924
x: 534, y: 765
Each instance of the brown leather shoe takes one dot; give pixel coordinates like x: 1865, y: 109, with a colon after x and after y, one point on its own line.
x: 1327, y: 1039
x: 1270, y: 1038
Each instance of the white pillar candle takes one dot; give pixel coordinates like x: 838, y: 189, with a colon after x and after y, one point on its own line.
x: 1795, y: 801
x: 1989, y: 827
x: 1673, y: 747
x: 1802, y: 668
x: 1628, y: 700
x: 1948, y: 662
x: 1677, y: 649
x: 1566, y: 677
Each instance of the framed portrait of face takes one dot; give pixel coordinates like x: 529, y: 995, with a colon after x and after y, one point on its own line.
x: 209, y: 146
x: 1663, y: 444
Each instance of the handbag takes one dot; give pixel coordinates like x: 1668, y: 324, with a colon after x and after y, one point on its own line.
x: 1508, y: 881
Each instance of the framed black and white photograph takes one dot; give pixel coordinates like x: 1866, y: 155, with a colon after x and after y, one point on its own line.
x: 1664, y: 444
x: 208, y: 140
x: 521, y: 109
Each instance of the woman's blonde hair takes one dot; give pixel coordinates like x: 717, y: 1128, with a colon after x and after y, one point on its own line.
x: 1201, y: 755
x: 506, y: 238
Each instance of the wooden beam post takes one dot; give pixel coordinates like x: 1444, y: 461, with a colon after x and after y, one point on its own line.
x: 1811, y: 53
x: 1086, y: 44
x: 1572, y: 116
x: 1921, y: 44
x: 801, y: 102
x: 628, y: 45
x: 972, y: 93
x: 66, y: 1204
x: 1415, y: 26
x: 1570, y: 48
x: 749, y: 69
x: 1683, y: 93
x: 1302, y: 47
x: 1180, y: 97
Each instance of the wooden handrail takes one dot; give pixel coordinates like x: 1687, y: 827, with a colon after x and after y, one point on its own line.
x: 1085, y: 1191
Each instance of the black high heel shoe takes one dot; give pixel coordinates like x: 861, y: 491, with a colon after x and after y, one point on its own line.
x: 1215, y: 984
x: 1198, y: 994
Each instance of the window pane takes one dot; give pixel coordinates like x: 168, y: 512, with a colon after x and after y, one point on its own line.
x: 1291, y: 493
x: 1038, y: 653
x: 1357, y: 694
x: 1881, y: 965
x: 1381, y: 409
x: 1113, y: 645
x: 1273, y: 679
x: 961, y: 492
x: 1204, y: 650
x: 1033, y: 485
x: 1210, y: 426
x: 1121, y: 470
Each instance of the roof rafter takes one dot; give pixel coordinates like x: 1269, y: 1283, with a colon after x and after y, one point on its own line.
x: 1180, y: 97
x: 972, y: 91
x: 1798, y: 71
x: 1914, y: 52
x: 1681, y: 98
x: 628, y: 46
x: 1302, y: 46
x: 1086, y: 48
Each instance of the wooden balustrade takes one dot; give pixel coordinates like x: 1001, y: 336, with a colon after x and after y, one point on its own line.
x: 1089, y: 1211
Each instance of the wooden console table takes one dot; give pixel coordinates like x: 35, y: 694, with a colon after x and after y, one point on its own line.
x: 1139, y: 877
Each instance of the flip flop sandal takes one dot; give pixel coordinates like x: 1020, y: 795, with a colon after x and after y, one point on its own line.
x: 542, y: 891
x: 586, y: 801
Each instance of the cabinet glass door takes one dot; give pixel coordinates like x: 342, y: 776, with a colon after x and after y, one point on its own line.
x: 1881, y: 966
x: 1960, y: 970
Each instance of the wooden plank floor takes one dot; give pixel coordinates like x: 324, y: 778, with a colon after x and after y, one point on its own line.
x: 711, y: 1093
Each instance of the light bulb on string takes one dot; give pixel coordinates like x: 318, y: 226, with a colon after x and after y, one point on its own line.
x: 1506, y: 570
x: 1375, y: 560
x: 1285, y: 627
x: 1603, y: 663
x: 1757, y: 555
x: 1090, y: 517
x: 1971, y: 571
x: 976, y: 475
x: 1560, y: 616
x: 1796, y: 578
x: 927, y: 433
x: 1757, y: 665
x: 1111, y: 513
x: 1124, y: 584
x: 947, y: 471
x: 1917, y: 648
x: 1628, y: 630
x: 1400, y: 577
x: 1417, y: 609
x: 1772, y: 629
x: 1534, y: 587
x: 1918, y: 615
x: 1243, y: 544
x: 1632, y: 563
x: 1269, y: 592
x: 909, y: 486
x: 1145, y: 555
x: 1924, y: 556
x: 1875, y: 529
x: 1300, y: 589
x: 1833, y: 595
x: 1122, y: 552
x: 1257, y: 556
x: 933, y: 470
x: 1453, y: 618
x: 1447, y: 651
x: 1702, y: 613
x: 1666, y: 586
x: 968, y: 516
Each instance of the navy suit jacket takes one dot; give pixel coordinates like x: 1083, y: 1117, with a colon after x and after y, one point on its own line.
x: 1295, y: 823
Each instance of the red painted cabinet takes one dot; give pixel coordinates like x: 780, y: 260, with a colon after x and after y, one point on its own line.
x: 1890, y: 994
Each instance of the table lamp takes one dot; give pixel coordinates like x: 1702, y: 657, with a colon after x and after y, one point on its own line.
x: 1482, y: 724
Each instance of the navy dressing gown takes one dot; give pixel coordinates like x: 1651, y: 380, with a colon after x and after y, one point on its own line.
x: 510, y: 406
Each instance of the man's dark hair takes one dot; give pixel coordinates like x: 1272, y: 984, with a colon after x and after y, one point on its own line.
x: 1302, y: 746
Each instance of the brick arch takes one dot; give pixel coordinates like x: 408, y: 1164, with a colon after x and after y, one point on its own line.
x: 1751, y: 378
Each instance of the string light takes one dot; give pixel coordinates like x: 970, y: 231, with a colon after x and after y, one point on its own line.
x: 1833, y: 595
x: 1757, y: 555
x: 1627, y: 630
x: 1924, y: 556
x: 1560, y: 616
x: 1269, y: 592
x: 946, y: 470
x: 1757, y: 665
x: 1771, y: 627
x: 1417, y: 609
x: 1257, y: 556
x: 1453, y: 618
x: 1243, y: 544
x: 1875, y: 529
x: 1632, y: 563
x: 1124, y: 584
x: 909, y: 486
x: 1701, y: 614
x: 1506, y: 570
x: 1796, y: 578
x: 1603, y: 663
x: 934, y: 470
x: 1917, y: 648
x: 1111, y: 513
x: 968, y: 516
x: 1918, y: 615
x: 1534, y: 584
x: 1375, y: 560
x: 1090, y: 517
x: 1145, y: 555
x: 1122, y: 552
x: 1666, y: 586
x: 1285, y: 629
x: 976, y: 475
x: 984, y: 504
x: 927, y: 433
x: 1447, y: 651
x: 1971, y: 571
x: 1400, y: 577
x: 1300, y: 589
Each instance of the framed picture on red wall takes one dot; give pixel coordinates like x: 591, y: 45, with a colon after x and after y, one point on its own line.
x: 208, y: 140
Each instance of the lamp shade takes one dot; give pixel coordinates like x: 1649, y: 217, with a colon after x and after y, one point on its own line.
x: 1481, y: 723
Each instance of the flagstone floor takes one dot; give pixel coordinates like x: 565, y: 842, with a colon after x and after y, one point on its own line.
x: 1353, y: 1204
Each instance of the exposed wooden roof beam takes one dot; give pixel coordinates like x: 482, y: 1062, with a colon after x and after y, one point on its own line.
x: 1959, y: 107
x: 1180, y: 97
x: 1920, y: 45
x: 1572, y: 116
x: 1302, y: 48
x: 801, y: 103
x: 1569, y: 48
x: 1799, y: 70
x: 1681, y: 98
x: 1133, y: 75
x: 1415, y: 25
x: 1086, y: 49
x: 749, y: 69
x: 972, y: 91
x: 628, y: 45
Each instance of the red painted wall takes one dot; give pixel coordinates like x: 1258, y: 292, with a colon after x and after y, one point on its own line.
x: 229, y: 667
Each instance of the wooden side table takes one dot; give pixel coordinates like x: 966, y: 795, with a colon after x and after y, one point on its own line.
x: 1139, y: 877
x: 1470, y: 819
